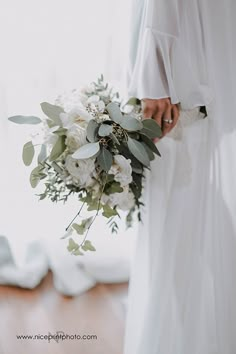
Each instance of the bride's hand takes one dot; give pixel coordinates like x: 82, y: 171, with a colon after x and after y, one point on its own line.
x: 164, y: 113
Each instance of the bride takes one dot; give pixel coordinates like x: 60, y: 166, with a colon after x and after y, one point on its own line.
x: 182, y: 295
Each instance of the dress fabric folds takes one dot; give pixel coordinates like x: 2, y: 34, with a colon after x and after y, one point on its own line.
x: 182, y: 293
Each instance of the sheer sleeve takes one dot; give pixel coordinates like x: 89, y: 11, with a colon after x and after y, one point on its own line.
x: 161, y: 62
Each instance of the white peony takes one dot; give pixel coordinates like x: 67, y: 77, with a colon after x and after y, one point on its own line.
x: 122, y: 170
x: 124, y: 200
x: 76, y: 137
x: 80, y: 170
x: 77, y: 115
x: 71, y: 99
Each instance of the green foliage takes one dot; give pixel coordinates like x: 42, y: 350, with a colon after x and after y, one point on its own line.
x: 113, y: 187
x: 137, y: 149
x: 114, y: 112
x: 58, y: 148
x: 83, y: 226
x: 130, y: 123
x: 87, y: 151
x: 87, y: 246
x: 105, y: 159
x: 53, y: 112
x: 60, y: 131
x: 151, y: 155
x: 133, y: 101
x: 25, y: 120
x: 74, y: 248
x: 150, y: 144
x: 105, y: 130
x: 108, y: 212
x: 36, y: 175
x: 94, y: 204
x: 92, y: 131
x: 113, y: 225
x: 151, y: 129
x: 28, y: 153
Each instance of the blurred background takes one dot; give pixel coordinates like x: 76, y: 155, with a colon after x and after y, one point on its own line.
x: 48, y: 48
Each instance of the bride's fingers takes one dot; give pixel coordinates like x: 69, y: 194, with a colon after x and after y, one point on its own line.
x: 147, y: 112
x: 148, y: 109
x: 173, y: 115
x: 167, y: 116
x: 158, y: 116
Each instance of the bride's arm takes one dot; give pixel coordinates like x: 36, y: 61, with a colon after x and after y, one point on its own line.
x: 155, y: 30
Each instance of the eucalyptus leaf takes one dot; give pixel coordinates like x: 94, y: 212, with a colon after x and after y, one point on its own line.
x: 105, y: 159
x: 149, y: 151
x: 151, y: 129
x: 35, y: 177
x: 87, y: 151
x: 150, y: 144
x: 87, y: 246
x: 28, y: 153
x: 53, y: 112
x: 25, y: 120
x: 92, y: 131
x: 105, y: 130
x: 58, y: 148
x: 137, y: 149
x: 131, y: 123
x: 114, y: 112
x: 43, y: 153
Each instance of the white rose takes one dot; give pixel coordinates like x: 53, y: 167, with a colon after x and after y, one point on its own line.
x: 81, y: 170
x: 124, y: 200
x: 122, y: 170
x: 76, y: 115
x: 76, y: 137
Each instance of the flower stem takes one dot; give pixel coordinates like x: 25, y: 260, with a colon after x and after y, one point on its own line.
x: 95, y: 216
x: 75, y: 216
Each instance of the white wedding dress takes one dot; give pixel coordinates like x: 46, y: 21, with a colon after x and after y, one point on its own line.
x: 182, y: 295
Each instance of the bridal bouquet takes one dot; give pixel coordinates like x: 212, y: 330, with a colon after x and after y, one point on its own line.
x: 91, y: 146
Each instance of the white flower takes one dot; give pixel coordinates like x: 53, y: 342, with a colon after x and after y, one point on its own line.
x: 103, y: 118
x: 122, y: 170
x: 124, y: 200
x: 81, y: 170
x: 76, y: 137
x: 95, y: 103
x: 71, y: 99
x: 76, y: 115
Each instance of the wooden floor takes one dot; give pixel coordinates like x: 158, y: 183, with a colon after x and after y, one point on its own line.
x: 43, y: 311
